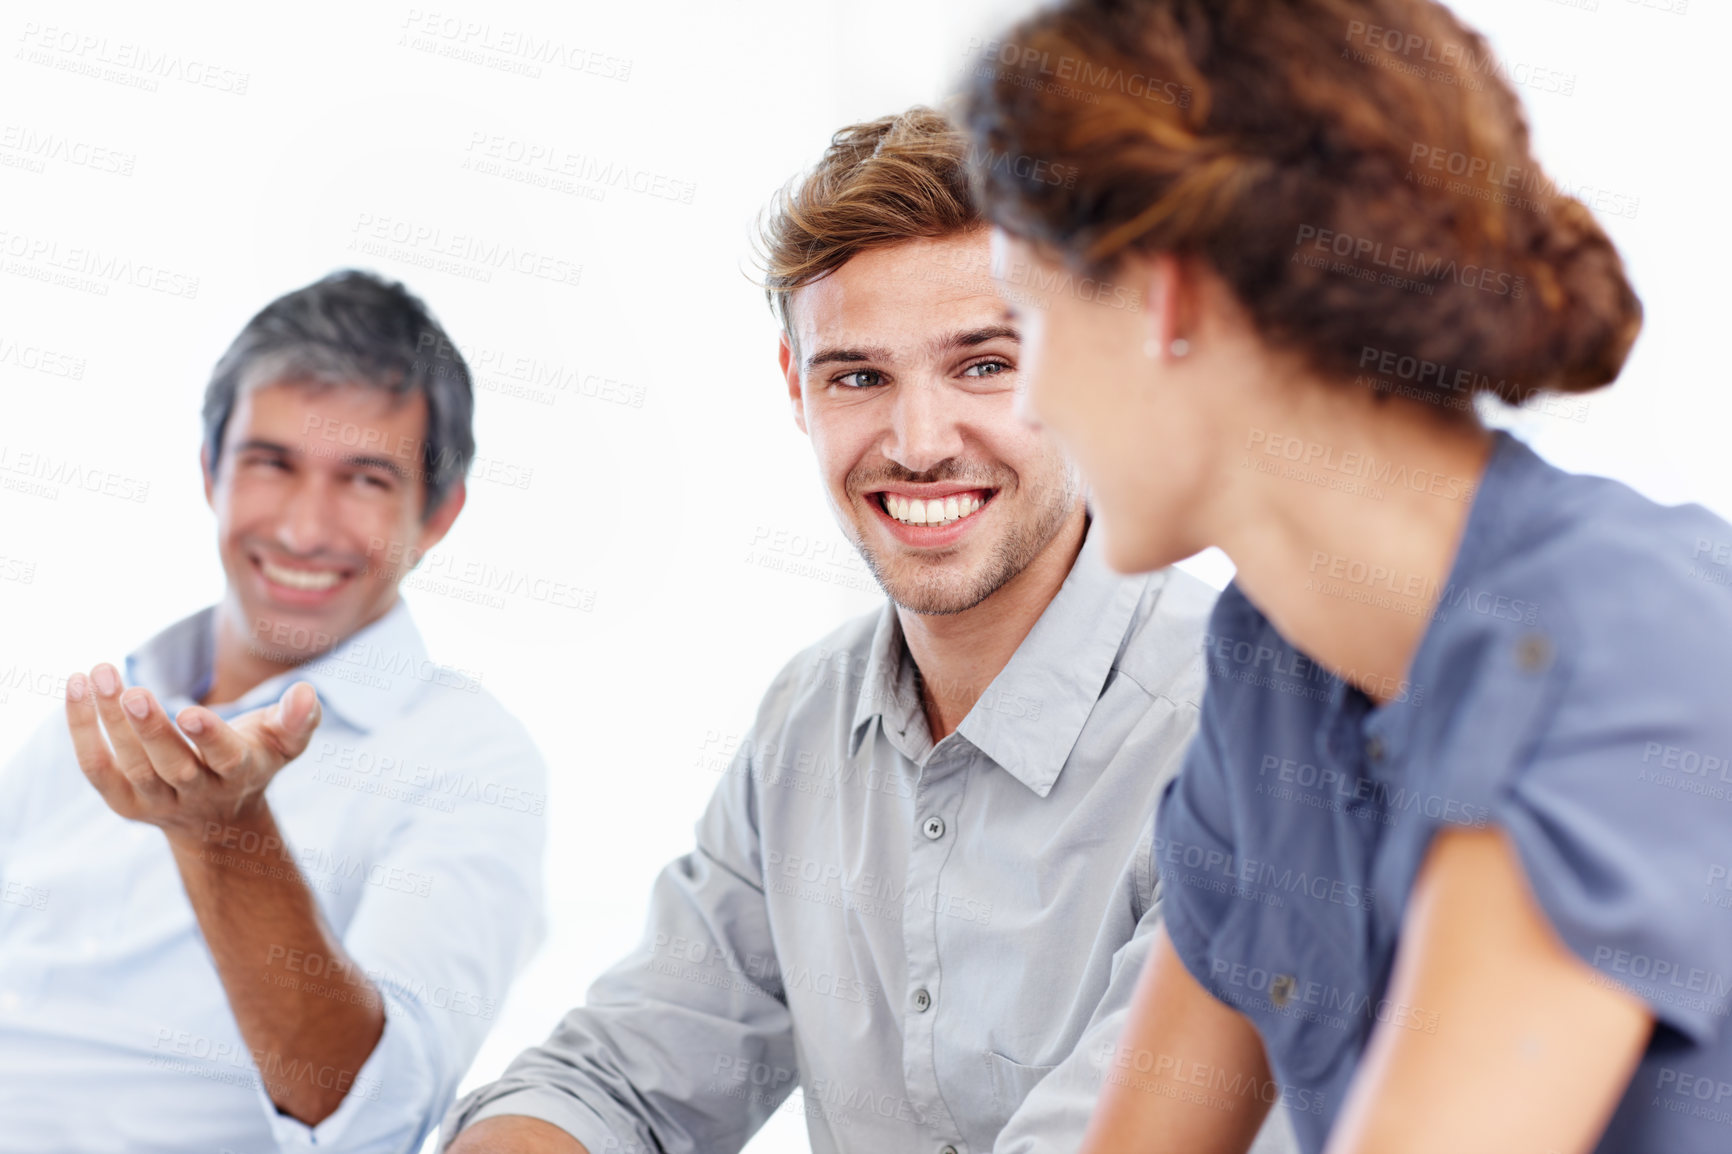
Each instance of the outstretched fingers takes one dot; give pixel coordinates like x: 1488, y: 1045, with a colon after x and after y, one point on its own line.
x: 91, y: 750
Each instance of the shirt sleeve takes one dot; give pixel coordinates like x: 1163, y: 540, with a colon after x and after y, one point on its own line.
x: 14, y: 797
x: 452, y: 910
x: 1618, y: 796
x: 25, y: 780
x: 685, y: 1046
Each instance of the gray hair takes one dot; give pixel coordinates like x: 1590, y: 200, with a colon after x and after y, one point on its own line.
x: 353, y: 327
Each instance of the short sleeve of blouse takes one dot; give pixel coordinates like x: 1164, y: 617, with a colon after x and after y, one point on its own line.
x: 1626, y: 840
x: 1620, y: 805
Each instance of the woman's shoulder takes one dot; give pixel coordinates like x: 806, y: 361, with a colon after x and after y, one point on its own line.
x: 1582, y: 623
x: 1615, y: 584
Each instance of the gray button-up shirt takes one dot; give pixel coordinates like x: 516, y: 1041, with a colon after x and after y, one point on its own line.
x: 936, y: 941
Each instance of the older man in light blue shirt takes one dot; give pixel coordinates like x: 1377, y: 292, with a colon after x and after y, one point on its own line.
x: 263, y: 918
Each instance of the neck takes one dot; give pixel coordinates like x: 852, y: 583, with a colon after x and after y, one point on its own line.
x: 1350, y: 577
x: 243, y: 662
x: 959, y: 654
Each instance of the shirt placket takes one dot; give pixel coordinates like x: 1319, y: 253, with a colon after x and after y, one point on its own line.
x: 937, y: 799
x: 1362, y: 748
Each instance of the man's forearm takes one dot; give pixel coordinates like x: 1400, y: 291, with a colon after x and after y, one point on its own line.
x: 258, y: 917
x: 514, y: 1134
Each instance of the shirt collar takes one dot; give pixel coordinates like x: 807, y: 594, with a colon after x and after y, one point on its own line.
x: 176, y: 663
x: 1030, y: 717
x: 884, y: 686
x: 367, y: 678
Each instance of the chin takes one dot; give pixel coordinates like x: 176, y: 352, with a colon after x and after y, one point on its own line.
x: 937, y: 588
x: 1130, y: 550
x: 938, y: 594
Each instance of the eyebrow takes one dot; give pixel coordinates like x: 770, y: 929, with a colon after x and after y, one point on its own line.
x: 846, y: 357
x: 358, y: 460
x: 268, y: 446
x: 385, y: 464
x: 966, y: 339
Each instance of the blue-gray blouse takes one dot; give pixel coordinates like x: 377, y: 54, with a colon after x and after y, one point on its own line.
x: 1573, y: 689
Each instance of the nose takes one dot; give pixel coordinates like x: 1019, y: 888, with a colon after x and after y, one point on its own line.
x: 309, y: 511
x: 924, y: 425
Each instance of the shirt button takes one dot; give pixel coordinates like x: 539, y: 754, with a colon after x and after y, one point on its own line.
x: 1533, y: 652
x: 1281, y: 990
x: 934, y: 828
x: 1374, y: 748
x: 922, y: 1000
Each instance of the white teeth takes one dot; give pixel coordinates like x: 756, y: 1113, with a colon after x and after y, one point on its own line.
x: 313, y: 580
x: 938, y: 511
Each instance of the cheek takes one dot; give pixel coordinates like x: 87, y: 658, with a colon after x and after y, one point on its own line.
x: 397, y: 532
x: 1052, y: 390
x: 1101, y: 390
x: 239, y: 506
x: 840, y: 439
x: 372, y: 523
x: 1032, y: 454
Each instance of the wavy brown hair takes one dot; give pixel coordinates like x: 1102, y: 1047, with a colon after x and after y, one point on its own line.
x: 1293, y: 146
x: 897, y: 178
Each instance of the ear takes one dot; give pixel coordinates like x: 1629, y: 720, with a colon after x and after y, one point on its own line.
x: 209, y: 477
x: 1167, y: 311
x: 434, y: 528
x: 791, y: 373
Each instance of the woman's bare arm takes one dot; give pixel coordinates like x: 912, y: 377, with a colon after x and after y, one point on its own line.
x: 1189, y: 1075
x: 1533, y: 1048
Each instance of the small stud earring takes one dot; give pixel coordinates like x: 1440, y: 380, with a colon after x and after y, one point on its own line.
x: 1181, y: 347
x: 1151, y: 348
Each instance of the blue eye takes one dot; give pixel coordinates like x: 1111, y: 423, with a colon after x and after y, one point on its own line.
x: 987, y: 369
x: 877, y: 378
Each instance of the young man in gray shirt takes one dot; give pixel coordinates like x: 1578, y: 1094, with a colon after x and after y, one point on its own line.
x: 925, y: 888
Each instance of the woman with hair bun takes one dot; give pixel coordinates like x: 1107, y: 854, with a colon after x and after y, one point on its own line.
x: 1446, y: 869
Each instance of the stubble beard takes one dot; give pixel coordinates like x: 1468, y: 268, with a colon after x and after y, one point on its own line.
x: 935, y: 591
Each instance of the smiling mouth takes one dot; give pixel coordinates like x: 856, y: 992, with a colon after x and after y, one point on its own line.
x: 305, y: 580
x: 936, y: 511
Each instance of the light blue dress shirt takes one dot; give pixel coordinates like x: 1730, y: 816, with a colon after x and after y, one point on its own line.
x: 1574, y: 690
x: 416, y: 818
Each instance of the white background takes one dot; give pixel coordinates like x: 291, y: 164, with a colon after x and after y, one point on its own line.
x: 679, y: 513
